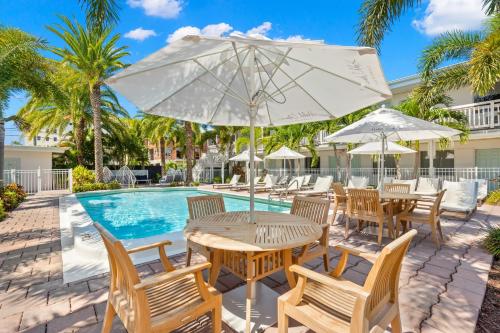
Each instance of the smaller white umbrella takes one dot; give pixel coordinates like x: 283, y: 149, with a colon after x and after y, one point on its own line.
x: 244, y: 157
x: 284, y: 153
x: 375, y: 148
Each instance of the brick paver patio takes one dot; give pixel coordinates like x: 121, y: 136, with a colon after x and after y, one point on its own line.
x: 441, y: 290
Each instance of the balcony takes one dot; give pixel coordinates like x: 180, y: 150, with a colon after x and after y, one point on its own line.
x: 481, y: 115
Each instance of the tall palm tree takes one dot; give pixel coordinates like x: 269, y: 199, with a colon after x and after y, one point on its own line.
x: 97, y: 56
x: 480, y: 49
x: 22, y: 68
x: 189, y: 153
x: 377, y: 17
x: 157, y: 129
x: 100, y: 14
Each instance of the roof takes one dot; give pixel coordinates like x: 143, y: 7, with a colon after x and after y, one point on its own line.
x: 37, y: 149
x: 411, y: 80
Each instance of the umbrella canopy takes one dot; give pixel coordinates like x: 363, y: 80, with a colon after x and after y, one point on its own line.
x: 245, y: 157
x: 284, y: 153
x: 375, y: 148
x: 393, y: 126
x: 253, y: 82
x: 387, y: 124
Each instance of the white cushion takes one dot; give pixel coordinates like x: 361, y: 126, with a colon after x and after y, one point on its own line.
x: 388, y: 180
x: 358, y: 182
x: 323, y: 184
x: 459, y: 196
x: 482, y: 187
x: 307, y: 179
x: 427, y: 186
x: 411, y: 182
x: 296, y: 183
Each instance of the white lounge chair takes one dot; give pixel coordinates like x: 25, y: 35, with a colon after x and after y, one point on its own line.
x: 320, y: 188
x: 460, y: 197
x: 307, y: 182
x: 293, y: 186
x: 411, y: 182
x: 358, y: 182
x: 388, y: 180
x: 269, y: 183
x: 242, y: 187
x: 482, y: 187
x: 233, y: 182
x: 427, y: 186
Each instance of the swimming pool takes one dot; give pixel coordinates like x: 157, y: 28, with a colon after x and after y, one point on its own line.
x: 139, y: 214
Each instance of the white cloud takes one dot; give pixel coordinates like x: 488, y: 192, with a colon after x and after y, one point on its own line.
x: 446, y: 15
x: 296, y: 38
x: 140, y: 34
x: 260, y: 30
x: 212, y: 30
x: 159, y: 8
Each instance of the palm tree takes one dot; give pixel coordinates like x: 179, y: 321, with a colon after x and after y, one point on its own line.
x: 377, y: 17
x: 481, y: 70
x: 443, y: 116
x: 22, y: 68
x: 96, y: 56
x: 100, y: 14
x: 189, y: 153
x: 157, y: 129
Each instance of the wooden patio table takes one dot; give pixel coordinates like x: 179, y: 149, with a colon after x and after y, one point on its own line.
x: 252, y: 251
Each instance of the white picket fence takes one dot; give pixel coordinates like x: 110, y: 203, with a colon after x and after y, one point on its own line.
x: 34, y: 181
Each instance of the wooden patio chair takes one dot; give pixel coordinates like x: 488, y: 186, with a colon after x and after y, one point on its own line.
x: 339, y: 200
x: 398, y: 205
x: 160, y: 303
x: 425, y: 215
x: 200, y: 206
x: 365, y: 206
x: 315, y: 210
x: 329, y: 303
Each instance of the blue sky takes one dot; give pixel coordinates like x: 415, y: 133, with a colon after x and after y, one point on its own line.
x: 332, y: 21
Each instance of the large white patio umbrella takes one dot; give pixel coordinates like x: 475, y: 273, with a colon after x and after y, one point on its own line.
x: 244, y: 156
x: 375, y: 148
x: 390, y: 125
x: 284, y: 153
x: 253, y: 82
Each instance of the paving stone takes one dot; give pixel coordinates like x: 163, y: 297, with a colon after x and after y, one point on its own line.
x: 10, y: 323
x: 73, y: 321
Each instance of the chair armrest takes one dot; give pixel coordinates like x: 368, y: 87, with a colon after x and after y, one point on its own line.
x: 169, y: 276
x: 342, y: 285
x: 358, y: 253
x: 149, y: 246
x: 385, y: 203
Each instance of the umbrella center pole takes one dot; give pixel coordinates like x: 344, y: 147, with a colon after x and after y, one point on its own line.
x: 382, y: 162
x: 253, y: 115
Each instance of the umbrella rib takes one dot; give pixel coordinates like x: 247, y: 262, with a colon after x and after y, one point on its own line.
x: 220, y: 81
x: 336, y: 74
x: 226, y: 91
x: 169, y: 64
x: 188, y: 84
x: 240, y: 68
x: 276, y: 67
x: 285, y: 87
x: 236, y: 97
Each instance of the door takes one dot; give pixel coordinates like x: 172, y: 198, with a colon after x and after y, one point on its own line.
x: 488, y: 158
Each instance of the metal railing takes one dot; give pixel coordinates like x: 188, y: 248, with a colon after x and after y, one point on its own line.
x: 481, y: 115
x: 38, y: 180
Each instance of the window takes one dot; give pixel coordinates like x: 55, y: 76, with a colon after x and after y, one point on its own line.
x: 55, y: 139
x: 444, y: 159
x: 308, y: 162
x: 389, y: 162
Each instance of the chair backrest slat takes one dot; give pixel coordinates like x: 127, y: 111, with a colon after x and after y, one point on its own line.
x: 205, y: 205
x: 362, y: 202
x: 313, y: 209
x: 397, y: 188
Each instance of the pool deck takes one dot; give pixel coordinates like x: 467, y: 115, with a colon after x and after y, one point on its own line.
x: 441, y: 290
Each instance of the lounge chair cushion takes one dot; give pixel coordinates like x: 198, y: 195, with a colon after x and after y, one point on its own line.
x: 482, y: 187
x: 358, y: 182
x: 459, y: 196
x: 411, y: 182
x: 427, y: 186
x: 323, y: 184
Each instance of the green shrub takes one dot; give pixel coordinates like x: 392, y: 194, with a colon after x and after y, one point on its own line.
x: 493, y: 198
x: 217, y: 180
x: 87, y: 187
x: 82, y: 175
x: 228, y: 179
x: 492, y: 242
x: 9, y: 199
x: 18, y: 189
x: 2, y: 211
x: 195, y: 183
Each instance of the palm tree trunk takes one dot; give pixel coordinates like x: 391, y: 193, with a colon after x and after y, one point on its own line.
x: 416, y: 165
x: 80, y: 138
x: 162, y: 156
x: 2, y: 149
x: 95, y: 101
x: 189, y: 152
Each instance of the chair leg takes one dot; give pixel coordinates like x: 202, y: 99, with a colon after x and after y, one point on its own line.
x: 396, y: 324
x: 347, y: 223
x: 435, y: 234
x: 282, y: 317
x: 398, y: 223
x: 334, y: 214
x: 380, y: 233
x: 189, y: 253
x: 439, y: 230
x: 108, y: 318
x: 217, y: 316
x: 326, y: 261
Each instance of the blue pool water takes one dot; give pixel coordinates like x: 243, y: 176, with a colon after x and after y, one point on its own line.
x: 138, y: 214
